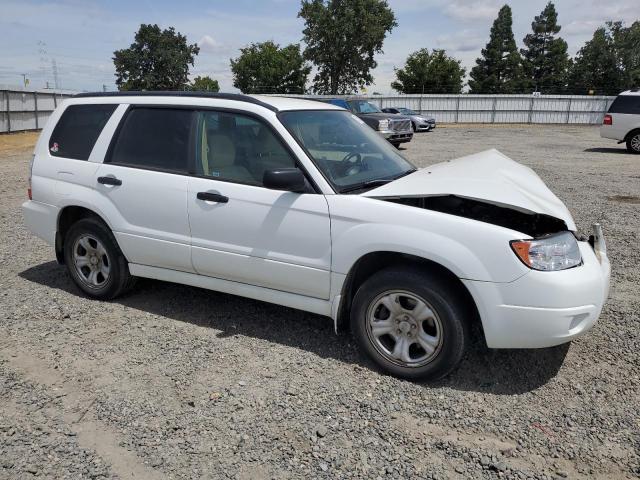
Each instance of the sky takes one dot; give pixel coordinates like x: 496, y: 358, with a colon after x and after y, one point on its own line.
x: 81, y: 35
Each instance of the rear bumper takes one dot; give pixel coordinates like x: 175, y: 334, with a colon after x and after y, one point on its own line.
x: 41, y: 219
x: 543, y: 309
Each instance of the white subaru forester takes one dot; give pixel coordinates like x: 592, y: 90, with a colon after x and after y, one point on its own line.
x: 301, y: 204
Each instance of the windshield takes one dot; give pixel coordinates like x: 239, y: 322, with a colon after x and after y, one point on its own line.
x: 347, y: 151
x: 407, y: 111
x: 362, y: 106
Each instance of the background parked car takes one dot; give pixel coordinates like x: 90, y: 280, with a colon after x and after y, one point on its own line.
x: 622, y: 121
x: 396, y: 129
x: 419, y: 122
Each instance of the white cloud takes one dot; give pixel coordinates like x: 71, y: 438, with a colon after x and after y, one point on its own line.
x: 208, y: 44
x: 473, y: 10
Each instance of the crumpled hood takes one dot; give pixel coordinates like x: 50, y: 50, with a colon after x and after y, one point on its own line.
x: 487, y: 176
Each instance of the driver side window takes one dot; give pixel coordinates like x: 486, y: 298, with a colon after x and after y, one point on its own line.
x: 237, y: 148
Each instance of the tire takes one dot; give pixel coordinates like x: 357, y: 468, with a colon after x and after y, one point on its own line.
x: 444, y: 324
x: 633, y: 142
x: 94, y: 260
x: 397, y: 145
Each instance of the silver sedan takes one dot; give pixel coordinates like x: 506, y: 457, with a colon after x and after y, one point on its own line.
x: 420, y: 123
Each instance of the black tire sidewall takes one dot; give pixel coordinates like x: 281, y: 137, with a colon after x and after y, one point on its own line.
x: 629, y: 147
x: 118, y: 266
x: 442, y: 296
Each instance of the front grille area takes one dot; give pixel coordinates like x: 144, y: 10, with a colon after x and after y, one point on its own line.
x: 400, y: 125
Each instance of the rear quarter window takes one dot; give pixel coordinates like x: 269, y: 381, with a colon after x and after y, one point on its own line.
x: 78, y: 129
x: 629, y: 104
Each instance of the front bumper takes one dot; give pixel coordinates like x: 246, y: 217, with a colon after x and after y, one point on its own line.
x: 543, y: 309
x: 397, y: 136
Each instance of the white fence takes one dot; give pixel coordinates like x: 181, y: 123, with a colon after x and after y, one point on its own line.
x: 27, y: 110
x: 464, y: 108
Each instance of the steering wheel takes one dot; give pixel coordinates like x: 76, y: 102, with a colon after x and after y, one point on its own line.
x: 351, y: 164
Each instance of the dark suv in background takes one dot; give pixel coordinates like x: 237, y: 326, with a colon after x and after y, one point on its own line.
x: 395, y: 128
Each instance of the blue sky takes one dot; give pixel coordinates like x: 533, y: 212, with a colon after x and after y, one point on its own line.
x: 82, y: 35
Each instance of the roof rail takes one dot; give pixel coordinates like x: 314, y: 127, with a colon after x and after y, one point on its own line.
x: 238, y: 97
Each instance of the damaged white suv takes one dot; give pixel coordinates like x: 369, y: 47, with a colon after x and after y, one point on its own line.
x: 301, y: 204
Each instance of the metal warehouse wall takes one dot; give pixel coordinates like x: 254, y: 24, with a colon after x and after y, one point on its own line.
x: 27, y: 110
x: 575, y: 109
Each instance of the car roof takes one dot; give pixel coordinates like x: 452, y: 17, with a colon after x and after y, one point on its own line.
x: 633, y: 91
x: 275, y: 104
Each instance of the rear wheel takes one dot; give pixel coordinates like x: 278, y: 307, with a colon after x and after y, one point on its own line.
x: 412, y: 324
x: 633, y: 142
x: 94, y: 260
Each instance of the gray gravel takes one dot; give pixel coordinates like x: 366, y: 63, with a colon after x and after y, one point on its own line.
x: 177, y: 382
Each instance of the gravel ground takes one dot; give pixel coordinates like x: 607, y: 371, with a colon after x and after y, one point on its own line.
x: 177, y: 382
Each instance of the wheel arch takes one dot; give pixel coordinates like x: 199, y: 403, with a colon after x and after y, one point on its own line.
x: 373, y: 262
x: 69, y: 215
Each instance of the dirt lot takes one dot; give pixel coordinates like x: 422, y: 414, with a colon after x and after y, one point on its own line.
x: 177, y: 382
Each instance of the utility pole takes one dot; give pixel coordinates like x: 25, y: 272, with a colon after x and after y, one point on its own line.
x: 104, y: 87
x: 25, y: 80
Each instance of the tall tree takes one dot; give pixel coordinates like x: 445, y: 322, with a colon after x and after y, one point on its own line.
x: 499, y: 69
x: 267, y: 68
x: 342, y: 37
x: 156, y: 60
x: 596, y: 67
x: 626, y: 42
x: 204, y: 84
x: 545, y: 59
x: 426, y: 72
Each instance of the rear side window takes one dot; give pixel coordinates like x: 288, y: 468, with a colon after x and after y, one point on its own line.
x: 626, y: 104
x: 78, y: 129
x: 155, y: 138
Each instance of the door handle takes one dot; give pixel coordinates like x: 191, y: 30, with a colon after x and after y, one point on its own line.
x: 212, y: 197
x: 109, y: 181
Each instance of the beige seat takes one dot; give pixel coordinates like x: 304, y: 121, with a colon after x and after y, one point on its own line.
x: 222, y: 160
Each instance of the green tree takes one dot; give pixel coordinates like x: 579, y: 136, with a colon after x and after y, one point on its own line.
x: 596, y: 67
x: 545, y: 59
x: 426, y: 72
x: 156, y: 60
x: 204, y: 84
x: 626, y: 41
x: 267, y: 68
x: 342, y: 37
x: 499, y: 70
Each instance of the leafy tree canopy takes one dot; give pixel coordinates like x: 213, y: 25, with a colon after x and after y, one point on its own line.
x: 156, y: 60
x: 545, y: 58
x: 596, y: 68
x: 626, y: 42
x: 204, y: 84
x: 499, y: 69
x: 267, y: 68
x: 426, y: 72
x: 342, y: 37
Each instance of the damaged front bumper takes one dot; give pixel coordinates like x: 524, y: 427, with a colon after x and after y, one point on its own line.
x: 543, y: 309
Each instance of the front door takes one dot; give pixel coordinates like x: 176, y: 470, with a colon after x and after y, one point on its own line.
x: 244, y: 232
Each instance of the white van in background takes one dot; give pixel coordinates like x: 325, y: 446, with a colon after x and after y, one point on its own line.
x: 622, y: 121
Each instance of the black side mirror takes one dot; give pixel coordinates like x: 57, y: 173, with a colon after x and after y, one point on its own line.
x: 288, y: 179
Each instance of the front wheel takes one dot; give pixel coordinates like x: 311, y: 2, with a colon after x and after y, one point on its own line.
x: 633, y: 142
x: 94, y: 260
x: 411, y: 323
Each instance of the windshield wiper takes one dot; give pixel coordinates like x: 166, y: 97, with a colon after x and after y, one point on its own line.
x: 375, y: 182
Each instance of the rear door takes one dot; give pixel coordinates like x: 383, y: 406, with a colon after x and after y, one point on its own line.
x: 144, y: 179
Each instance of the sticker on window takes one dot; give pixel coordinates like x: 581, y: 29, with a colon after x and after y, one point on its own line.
x: 54, y: 148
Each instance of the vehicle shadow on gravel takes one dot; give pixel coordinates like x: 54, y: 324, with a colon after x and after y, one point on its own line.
x: 500, y: 372
x: 606, y: 150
